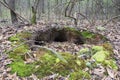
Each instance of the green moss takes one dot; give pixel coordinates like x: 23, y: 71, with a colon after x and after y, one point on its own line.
x: 108, y: 47
x: 14, y: 38
x: 19, y: 36
x: 33, y: 20
x: 21, y: 49
x: 25, y: 35
x: 51, y: 64
x: 100, y: 56
x: 21, y: 68
x: 85, y: 50
x: 80, y: 75
x: 111, y: 63
x: 72, y: 30
x: 87, y: 34
x: 97, y: 48
x: 15, y: 56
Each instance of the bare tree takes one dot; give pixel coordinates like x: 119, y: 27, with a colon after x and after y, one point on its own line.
x: 117, y: 5
x: 0, y: 10
x: 13, y: 14
x: 34, y: 11
x: 68, y: 10
x: 41, y: 8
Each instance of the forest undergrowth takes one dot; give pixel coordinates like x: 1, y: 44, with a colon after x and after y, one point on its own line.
x: 22, y: 59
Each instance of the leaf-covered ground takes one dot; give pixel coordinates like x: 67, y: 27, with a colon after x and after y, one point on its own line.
x: 111, y: 31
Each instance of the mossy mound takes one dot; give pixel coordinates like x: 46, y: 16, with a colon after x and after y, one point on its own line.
x: 47, y: 62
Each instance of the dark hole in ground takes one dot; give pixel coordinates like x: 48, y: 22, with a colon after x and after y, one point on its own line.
x: 60, y: 37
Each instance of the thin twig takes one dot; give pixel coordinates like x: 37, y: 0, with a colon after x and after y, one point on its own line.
x: 7, y: 6
x: 17, y: 46
x: 110, y: 20
x: 52, y: 51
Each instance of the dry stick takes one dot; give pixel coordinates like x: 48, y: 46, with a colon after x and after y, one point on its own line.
x: 19, y: 16
x: 49, y: 49
x: 85, y: 17
x: 17, y: 46
x: 73, y: 3
x: 30, y: 55
x: 110, y: 20
x: 52, y: 51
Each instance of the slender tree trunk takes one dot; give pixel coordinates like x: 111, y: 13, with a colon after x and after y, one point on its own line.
x: 117, y: 10
x: 13, y: 15
x: 0, y: 10
x: 34, y: 12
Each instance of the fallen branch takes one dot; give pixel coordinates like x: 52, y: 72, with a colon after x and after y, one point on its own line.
x: 110, y: 20
x: 52, y: 51
x: 7, y: 6
x: 49, y: 49
x: 85, y: 17
x: 17, y: 46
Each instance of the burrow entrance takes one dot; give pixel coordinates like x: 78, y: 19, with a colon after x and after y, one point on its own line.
x: 67, y: 34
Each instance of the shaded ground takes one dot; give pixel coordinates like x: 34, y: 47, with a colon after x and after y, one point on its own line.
x: 112, y: 32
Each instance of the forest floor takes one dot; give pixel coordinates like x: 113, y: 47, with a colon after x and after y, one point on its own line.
x: 111, y: 31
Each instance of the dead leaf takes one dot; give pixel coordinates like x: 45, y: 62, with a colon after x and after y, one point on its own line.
x: 111, y: 72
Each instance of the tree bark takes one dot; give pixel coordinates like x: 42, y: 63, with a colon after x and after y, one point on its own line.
x: 0, y: 10
x: 117, y: 10
x: 13, y: 15
x: 117, y: 4
x: 34, y: 11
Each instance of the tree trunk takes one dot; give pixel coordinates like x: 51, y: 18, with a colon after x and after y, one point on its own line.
x: 117, y: 10
x: 34, y: 11
x: 0, y: 10
x: 117, y: 4
x: 13, y: 15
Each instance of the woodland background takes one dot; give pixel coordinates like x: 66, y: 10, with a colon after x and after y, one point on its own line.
x: 54, y: 10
